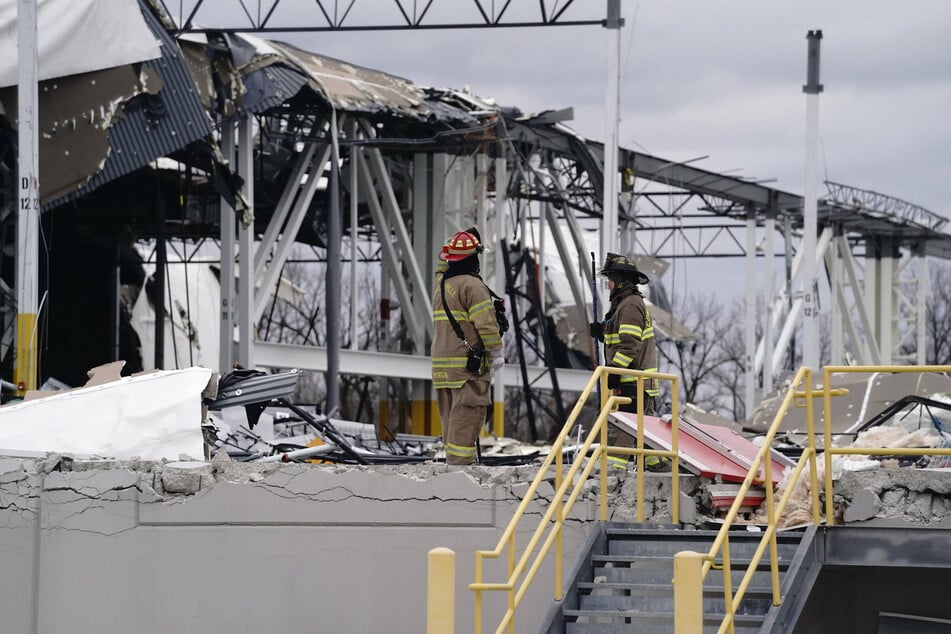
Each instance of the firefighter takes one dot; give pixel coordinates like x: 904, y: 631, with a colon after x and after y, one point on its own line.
x: 467, y: 346
x: 628, y: 337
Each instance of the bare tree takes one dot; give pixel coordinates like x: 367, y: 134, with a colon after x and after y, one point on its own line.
x: 938, y: 314
x: 711, y: 363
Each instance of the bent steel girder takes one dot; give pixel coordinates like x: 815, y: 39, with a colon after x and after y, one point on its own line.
x: 266, y: 16
x: 875, y: 202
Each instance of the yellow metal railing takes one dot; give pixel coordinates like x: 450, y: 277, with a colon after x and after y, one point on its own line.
x: 691, y: 568
x: 568, y: 486
x: 831, y: 451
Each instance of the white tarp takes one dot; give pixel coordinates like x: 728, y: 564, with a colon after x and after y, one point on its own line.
x: 78, y: 36
x: 151, y: 416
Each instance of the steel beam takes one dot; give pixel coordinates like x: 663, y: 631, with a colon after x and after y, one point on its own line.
x: 399, y: 366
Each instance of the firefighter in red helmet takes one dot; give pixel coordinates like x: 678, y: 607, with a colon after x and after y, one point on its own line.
x: 467, y: 345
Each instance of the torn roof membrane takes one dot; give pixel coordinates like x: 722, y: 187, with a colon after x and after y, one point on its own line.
x: 78, y: 36
x: 98, y: 126
x: 363, y: 90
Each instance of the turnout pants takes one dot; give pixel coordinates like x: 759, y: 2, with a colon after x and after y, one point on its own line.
x: 618, y: 438
x: 462, y: 412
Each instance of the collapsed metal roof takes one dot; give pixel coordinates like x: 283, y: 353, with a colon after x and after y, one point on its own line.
x: 103, y: 124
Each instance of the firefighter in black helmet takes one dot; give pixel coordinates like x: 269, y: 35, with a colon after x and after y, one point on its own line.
x: 628, y: 336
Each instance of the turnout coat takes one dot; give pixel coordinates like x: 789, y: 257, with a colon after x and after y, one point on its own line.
x: 471, y: 304
x: 629, y: 337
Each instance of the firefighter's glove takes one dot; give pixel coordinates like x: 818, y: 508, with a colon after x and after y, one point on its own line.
x: 498, y: 360
x: 614, y: 381
x: 596, y: 330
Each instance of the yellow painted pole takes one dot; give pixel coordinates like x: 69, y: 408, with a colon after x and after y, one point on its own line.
x: 441, y: 597
x: 25, y: 368
x: 27, y: 205
x: 498, y: 418
x: 688, y: 592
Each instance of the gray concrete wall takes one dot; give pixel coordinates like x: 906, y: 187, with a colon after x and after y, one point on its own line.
x: 233, y: 547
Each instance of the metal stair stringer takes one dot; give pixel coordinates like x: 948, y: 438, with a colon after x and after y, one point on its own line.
x: 621, y: 581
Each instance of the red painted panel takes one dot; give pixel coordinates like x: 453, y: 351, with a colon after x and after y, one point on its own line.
x: 707, y: 450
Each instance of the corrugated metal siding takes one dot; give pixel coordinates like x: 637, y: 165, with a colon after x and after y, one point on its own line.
x: 270, y: 87
x: 152, y: 126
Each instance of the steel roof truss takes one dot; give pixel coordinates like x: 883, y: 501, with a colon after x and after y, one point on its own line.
x: 392, y: 259
x: 289, y: 194
x: 272, y: 271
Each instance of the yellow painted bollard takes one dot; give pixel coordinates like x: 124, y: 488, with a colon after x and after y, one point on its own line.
x: 441, y: 596
x: 688, y: 592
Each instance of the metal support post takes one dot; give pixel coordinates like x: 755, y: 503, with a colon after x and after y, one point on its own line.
x: 770, y: 250
x: 810, y: 305
x: 226, y: 276
x: 28, y: 197
x: 750, y: 394
x: 498, y: 387
x: 837, y: 311
x: 245, y: 245
x: 609, y: 218
x: 354, y: 236
x: 921, y: 306
x: 334, y: 311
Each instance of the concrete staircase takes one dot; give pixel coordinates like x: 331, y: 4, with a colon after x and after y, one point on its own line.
x: 624, y: 582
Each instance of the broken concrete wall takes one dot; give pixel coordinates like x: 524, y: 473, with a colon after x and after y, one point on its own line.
x: 900, y: 496
x: 215, y: 547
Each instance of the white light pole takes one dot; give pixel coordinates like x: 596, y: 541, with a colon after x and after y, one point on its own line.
x: 28, y: 199
x: 810, y: 307
x: 609, y: 221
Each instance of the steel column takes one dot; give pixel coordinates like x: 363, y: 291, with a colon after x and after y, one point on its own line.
x: 749, y: 364
x: 246, y: 323
x: 28, y: 207
x: 226, y: 275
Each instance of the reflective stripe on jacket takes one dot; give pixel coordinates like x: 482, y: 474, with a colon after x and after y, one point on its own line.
x: 629, y: 337
x: 469, y: 299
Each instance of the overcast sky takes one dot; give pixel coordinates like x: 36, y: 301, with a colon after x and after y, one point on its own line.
x: 722, y: 79
x: 702, y: 77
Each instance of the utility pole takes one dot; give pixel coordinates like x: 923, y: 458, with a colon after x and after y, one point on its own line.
x: 810, y: 307
x: 609, y: 220
x: 28, y: 199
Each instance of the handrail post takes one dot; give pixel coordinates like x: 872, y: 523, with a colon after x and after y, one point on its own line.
x: 441, y: 595
x: 511, y: 591
x: 727, y: 583
x: 688, y: 592
x: 560, y: 516
x: 477, y: 600
x: 604, y: 451
x: 827, y: 445
x: 675, y: 448
x: 640, y: 449
x: 811, y: 428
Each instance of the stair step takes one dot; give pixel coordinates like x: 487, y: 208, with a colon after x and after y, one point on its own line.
x: 626, y: 530
x: 660, y: 561
x: 662, y: 602
x: 655, y: 572
x: 660, y: 542
x: 669, y: 548
x: 585, y: 586
x: 625, y: 622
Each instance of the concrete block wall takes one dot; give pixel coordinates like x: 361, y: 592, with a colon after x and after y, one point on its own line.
x: 237, y: 547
